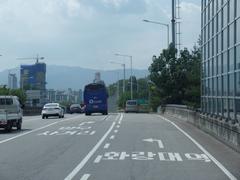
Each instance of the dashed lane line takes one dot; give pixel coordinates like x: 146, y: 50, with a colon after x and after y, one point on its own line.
x: 115, y: 131
x: 90, y: 154
x: 112, y: 137
x: 85, y: 177
x: 106, y: 146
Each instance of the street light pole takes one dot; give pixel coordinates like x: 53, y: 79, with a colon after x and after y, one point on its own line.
x: 129, y: 56
x: 163, y: 24
x: 124, y: 73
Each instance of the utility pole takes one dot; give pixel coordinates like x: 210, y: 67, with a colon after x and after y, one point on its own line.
x: 173, y: 24
x: 130, y: 58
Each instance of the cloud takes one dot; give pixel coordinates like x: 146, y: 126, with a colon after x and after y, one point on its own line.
x: 88, y: 32
x: 115, y: 3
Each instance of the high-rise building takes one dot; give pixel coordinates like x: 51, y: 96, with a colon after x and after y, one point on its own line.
x: 33, y: 77
x: 97, y: 78
x: 12, y: 81
x: 221, y: 58
x: 33, y: 81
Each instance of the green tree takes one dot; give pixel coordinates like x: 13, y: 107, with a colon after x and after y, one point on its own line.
x: 176, y: 80
x: 14, y: 92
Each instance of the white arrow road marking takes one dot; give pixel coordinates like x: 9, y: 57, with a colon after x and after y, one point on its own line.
x: 85, y: 177
x: 160, y: 144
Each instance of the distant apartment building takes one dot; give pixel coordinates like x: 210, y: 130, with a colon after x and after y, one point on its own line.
x: 12, y: 81
x: 97, y: 78
x: 60, y: 96
x: 33, y: 81
x: 220, y: 29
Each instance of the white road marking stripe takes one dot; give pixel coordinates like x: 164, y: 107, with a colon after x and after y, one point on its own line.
x: 112, y: 137
x: 106, y: 146
x: 98, y: 159
x: 85, y: 177
x: 89, y: 155
x: 118, y: 126
x: 120, y: 120
x: 23, y: 134
x: 93, y: 132
x: 229, y: 174
x: 115, y: 131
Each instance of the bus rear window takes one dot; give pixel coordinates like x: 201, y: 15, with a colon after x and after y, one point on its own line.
x: 132, y: 103
x: 94, y: 87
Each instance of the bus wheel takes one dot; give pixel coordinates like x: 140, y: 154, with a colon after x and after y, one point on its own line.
x: 87, y: 114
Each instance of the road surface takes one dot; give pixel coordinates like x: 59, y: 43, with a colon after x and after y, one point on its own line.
x: 113, y: 147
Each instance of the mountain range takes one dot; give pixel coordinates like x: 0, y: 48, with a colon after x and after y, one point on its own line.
x: 63, y: 77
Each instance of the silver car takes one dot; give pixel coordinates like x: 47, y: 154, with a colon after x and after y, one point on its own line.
x: 52, y: 109
x: 131, y: 106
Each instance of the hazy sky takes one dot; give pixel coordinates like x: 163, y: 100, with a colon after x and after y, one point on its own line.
x: 88, y: 33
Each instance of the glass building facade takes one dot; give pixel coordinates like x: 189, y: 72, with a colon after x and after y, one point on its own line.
x: 221, y: 58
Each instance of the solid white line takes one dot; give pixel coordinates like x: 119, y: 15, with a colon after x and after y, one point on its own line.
x: 112, y: 137
x: 229, y: 174
x: 23, y: 134
x: 85, y: 177
x: 89, y: 155
x: 106, y: 146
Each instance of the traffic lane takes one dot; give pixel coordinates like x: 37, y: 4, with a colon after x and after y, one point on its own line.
x: 129, y: 157
x: 30, y: 124
x: 37, y: 156
x: 222, y: 152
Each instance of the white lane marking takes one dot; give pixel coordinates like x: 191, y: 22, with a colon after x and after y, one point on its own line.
x: 93, y: 132
x: 115, y: 131
x: 98, y: 159
x: 106, y: 146
x: 85, y: 177
x: 89, y: 155
x: 121, y: 118
x: 229, y: 174
x: 118, y: 126
x: 26, y: 133
x: 112, y: 137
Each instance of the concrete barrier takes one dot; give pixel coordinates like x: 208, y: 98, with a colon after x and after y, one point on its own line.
x: 31, y: 111
x: 224, y: 131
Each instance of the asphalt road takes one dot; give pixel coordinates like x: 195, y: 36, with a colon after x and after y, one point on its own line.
x: 113, y: 147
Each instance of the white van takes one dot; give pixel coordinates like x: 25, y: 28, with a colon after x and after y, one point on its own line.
x: 131, y: 106
x: 10, y: 113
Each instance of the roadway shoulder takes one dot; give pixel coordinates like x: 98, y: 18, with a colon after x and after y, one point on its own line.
x: 223, y: 153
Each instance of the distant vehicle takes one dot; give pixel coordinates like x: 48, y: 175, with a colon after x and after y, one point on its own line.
x: 10, y: 113
x: 95, y: 99
x: 76, y: 108
x: 131, y: 106
x: 52, y: 109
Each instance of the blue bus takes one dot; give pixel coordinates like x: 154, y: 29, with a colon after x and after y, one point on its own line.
x: 95, y: 99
